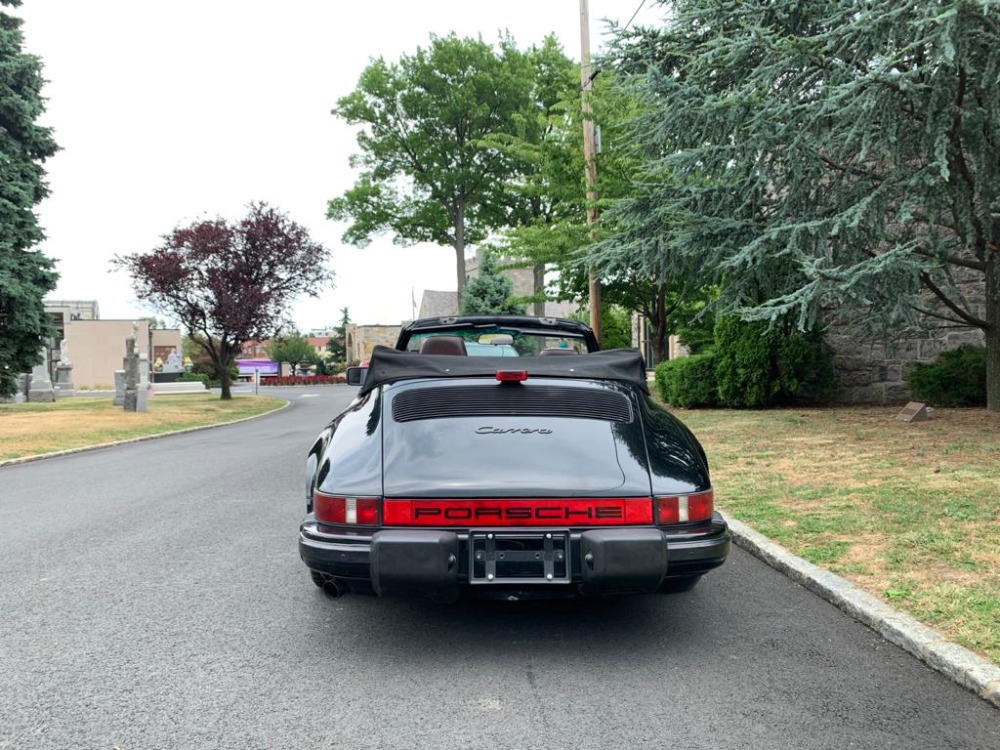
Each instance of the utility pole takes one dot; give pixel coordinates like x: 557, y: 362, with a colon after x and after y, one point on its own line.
x: 590, y: 164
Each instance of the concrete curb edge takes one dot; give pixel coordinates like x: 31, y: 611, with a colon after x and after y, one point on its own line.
x: 969, y: 670
x: 100, y: 446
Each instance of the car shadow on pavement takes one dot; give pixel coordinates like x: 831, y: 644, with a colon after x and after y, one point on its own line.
x: 598, y: 627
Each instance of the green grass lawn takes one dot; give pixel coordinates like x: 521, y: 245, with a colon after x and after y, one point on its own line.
x: 908, y: 511
x: 33, y: 429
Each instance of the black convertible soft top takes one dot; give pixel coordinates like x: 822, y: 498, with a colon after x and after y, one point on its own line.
x: 389, y: 365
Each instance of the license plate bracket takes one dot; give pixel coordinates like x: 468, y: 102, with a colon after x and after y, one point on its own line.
x: 515, y: 557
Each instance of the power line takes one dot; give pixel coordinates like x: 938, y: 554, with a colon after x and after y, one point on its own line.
x: 625, y: 27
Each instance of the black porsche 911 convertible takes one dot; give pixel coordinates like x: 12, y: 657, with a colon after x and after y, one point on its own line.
x: 505, y: 456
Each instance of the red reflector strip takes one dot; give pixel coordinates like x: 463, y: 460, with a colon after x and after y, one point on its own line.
x: 512, y: 376
x: 350, y: 511
x: 671, y: 509
x: 605, y: 511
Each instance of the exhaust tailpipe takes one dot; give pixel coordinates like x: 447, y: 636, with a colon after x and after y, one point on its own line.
x: 334, y: 588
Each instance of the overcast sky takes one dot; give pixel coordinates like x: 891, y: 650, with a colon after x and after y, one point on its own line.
x: 171, y: 112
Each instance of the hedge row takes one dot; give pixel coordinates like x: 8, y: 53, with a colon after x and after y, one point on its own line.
x: 752, y: 366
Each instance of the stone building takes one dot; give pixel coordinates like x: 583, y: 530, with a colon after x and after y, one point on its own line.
x: 361, y: 339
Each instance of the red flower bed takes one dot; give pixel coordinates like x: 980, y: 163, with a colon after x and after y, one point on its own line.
x: 303, y: 380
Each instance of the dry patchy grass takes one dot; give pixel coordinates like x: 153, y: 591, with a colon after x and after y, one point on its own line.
x: 33, y: 429
x: 908, y: 511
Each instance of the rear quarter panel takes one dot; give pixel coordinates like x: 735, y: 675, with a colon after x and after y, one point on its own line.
x: 351, y: 463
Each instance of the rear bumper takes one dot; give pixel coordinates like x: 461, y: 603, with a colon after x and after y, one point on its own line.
x: 436, y: 563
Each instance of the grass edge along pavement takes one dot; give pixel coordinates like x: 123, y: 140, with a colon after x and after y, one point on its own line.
x: 907, y: 512
x: 155, y: 431
x: 962, y: 666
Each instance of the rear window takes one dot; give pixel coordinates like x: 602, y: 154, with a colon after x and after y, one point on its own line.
x: 503, y: 342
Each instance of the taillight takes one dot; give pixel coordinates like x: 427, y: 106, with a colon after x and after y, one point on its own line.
x: 351, y: 511
x: 672, y: 509
x: 512, y: 376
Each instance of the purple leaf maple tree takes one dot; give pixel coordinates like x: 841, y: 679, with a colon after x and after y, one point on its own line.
x: 229, y: 283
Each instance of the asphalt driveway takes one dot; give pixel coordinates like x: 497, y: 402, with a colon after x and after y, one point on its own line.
x: 151, y: 596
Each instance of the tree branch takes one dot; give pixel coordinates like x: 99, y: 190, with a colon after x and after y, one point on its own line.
x: 970, y: 319
x: 951, y: 259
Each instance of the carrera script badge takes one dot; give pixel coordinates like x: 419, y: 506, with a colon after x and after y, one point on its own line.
x: 513, y: 431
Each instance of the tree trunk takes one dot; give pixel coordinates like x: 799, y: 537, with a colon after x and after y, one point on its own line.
x: 225, y: 363
x: 460, y: 253
x: 661, y: 348
x: 993, y: 331
x: 538, y: 273
x: 227, y: 392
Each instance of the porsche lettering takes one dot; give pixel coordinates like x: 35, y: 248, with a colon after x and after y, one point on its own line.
x: 547, y: 513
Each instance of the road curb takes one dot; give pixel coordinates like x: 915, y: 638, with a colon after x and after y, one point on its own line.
x: 99, y: 446
x: 969, y: 670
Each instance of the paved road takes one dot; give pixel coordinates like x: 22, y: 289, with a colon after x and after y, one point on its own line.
x: 151, y: 596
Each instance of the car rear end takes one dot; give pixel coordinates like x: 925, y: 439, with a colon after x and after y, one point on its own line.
x: 512, y: 486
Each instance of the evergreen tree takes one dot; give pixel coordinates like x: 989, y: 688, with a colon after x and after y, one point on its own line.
x: 829, y: 153
x: 26, y: 275
x: 489, y: 292
x: 337, y: 345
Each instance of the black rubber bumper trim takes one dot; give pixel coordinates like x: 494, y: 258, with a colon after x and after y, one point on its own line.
x: 333, y: 554
x: 349, y: 556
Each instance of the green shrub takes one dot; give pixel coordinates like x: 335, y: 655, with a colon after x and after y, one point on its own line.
x: 195, y: 377
x: 759, y: 366
x: 698, y: 335
x: 805, y: 366
x: 688, y: 381
x: 956, y: 378
x: 616, y: 325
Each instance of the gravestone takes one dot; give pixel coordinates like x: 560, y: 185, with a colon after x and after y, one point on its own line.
x: 142, y: 395
x: 22, y: 388
x: 64, y: 371
x: 913, y: 412
x: 173, y: 363
x: 119, y: 387
x: 131, y: 363
x: 40, y: 390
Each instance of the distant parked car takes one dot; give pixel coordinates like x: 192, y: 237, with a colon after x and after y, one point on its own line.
x: 473, y: 349
x: 507, y: 476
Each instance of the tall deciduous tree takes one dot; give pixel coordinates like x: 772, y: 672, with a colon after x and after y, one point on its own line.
x: 551, y: 189
x: 26, y: 275
x: 428, y: 173
x: 638, y: 272
x: 832, y: 153
x: 230, y: 283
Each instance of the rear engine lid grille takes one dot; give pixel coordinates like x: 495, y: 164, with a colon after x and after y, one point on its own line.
x: 511, y: 401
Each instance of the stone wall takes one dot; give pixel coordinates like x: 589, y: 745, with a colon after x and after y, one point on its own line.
x: 876, y: 372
